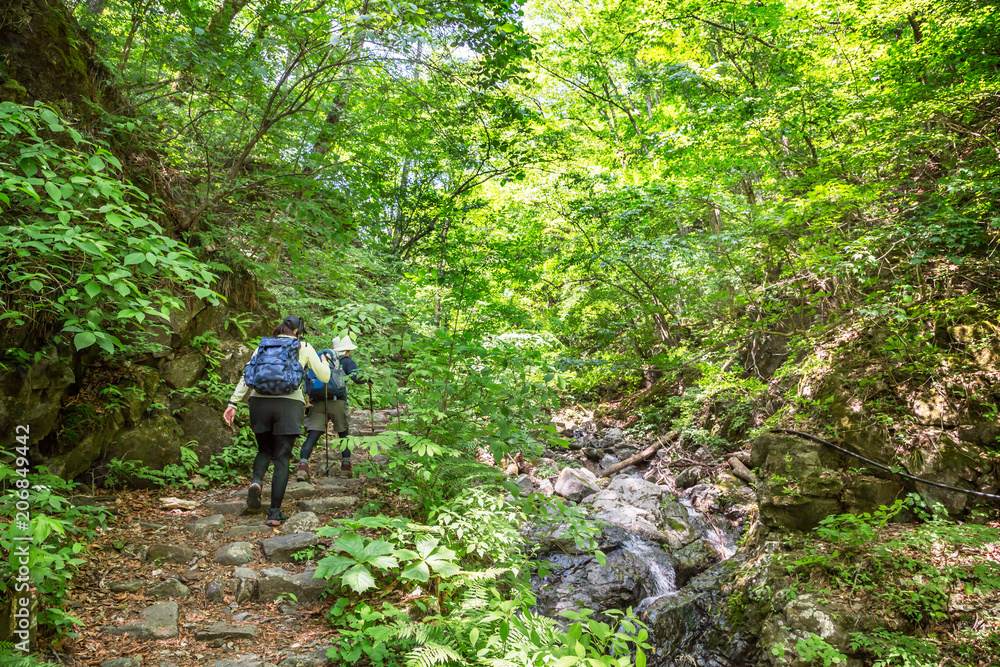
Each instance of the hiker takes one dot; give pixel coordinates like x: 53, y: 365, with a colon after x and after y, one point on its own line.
x: 331, y: 406
x: 275, y: 373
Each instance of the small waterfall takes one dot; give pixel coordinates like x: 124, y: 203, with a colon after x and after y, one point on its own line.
x: 718, y: 538
x: 661, y: 579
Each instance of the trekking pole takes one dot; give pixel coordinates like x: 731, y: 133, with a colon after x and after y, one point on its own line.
x: 371, y: 406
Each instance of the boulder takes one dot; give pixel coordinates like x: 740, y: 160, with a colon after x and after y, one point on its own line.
x: 170, y: 553
x: 128, y: 586
x: 576, y: 483
x: 301, y: 522
x: 800, y: 483
x: 213, y: 592
x: 225, y: 631
x: 184, y: 370
x: 320, y: 505
x: 280, y: 549
x: 237, y: 553
x: 546, y: 489
x: 170, y: 588
x: 155, y: 443
x: 688, y: 477
x: 229, y: 508
x: 202, y: 423
x: 237, y: 532
x: 209, y: 524
x: 158, y: 621
x: 276, y: 581
x: 524, y: 484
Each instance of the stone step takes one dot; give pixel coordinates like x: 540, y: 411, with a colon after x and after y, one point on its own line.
x: 320, y: 505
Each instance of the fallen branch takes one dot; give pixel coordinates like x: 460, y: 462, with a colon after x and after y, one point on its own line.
x: 638, y: 458
x: 741, y: 471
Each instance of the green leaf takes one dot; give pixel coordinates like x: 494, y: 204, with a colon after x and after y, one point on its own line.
x: 96, y: 163
x: 54, y: 192
x: 84, y: 339
x: 93, y: 288
x: 359, y: 578
x: 417, y: 572
x: 135, y: 258
x: 36, y: 285
x: 353, y: 544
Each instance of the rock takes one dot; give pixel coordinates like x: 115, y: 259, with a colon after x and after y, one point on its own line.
x: 319, y: 505
x: 245, y: 573
x: 315, y: 659
x: 294, y: 490
x: 153, y: 527
x: 524, y: 484
x: 159, y: 621
x: 184, y: 370
x: 121, y: 662
x: 546, y: 489
x: 593, y: 453
x: 301, y: 522
x: 613, y: 435
x: 206, y: 525
x: 693, y: 627
x: 237, y: 532
x: 280, y: 549
x: 237, y: 553
x: 170, y: 553
x: 692, y: 560
x: 608, y: 460
x: 171, y: 588
x: 128, y: 586
x: 246, y: 589
x: 228, y: 508
x: 576, y: 483
x: 225, y: 631
x: 155, y: 442
x: 276, y: 581
x: 641, y: 506
x: 688, y: 478
x: 213, y: 592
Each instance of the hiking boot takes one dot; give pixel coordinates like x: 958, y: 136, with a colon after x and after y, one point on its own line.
x: 253, y: 495
x: 275, y: 517
x: 302, y: 473
x: 345, y: 469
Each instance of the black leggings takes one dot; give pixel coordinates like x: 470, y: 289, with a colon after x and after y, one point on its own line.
x: 312, y: 437
x: 278, y: 448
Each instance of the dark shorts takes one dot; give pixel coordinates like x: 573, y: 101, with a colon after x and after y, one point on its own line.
x: 322, y: 412
x: 280, y: 416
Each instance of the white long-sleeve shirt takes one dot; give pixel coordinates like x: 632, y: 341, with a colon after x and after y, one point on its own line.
x: 309, y: 360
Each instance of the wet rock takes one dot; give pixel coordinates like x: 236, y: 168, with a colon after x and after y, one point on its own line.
x: 170, y: 553
x: 693, y: 627
x: 688, y: 478
x: 209, y: 524
x: 576, y: 483
x: 693, y: 559
x: 225, y: 631
x: 301, y: 522
x: 280, y: 549
x: 158, y: 621
x: 319, y: 505
x: 276, y: 581
x: 128, y: 586
x: 237, y: 553
x: 171, y: 588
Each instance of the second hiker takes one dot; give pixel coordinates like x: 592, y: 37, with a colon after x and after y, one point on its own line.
x: 330, y: 405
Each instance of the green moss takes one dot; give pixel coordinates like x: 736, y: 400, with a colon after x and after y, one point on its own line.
x: 12, y: 91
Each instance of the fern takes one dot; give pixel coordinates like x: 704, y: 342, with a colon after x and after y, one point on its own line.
x: 433, y: 654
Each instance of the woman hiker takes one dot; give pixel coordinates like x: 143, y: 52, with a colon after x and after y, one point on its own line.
x: 332, y: 409
x: 275, y: 374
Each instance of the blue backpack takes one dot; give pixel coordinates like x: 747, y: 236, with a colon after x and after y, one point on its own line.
x: 332, y: 389
x: 275, y: 369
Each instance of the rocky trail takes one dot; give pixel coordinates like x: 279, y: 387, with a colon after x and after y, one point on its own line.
x: 212, y: 585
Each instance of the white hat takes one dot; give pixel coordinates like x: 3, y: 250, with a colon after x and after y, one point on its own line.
x: 343, y: 344
x: 334, y: 343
